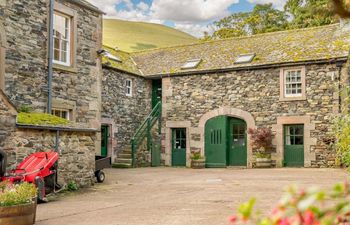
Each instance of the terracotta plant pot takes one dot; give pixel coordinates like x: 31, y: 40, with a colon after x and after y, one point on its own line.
x: 263, y: 163
x: 18, y: 215
x: 198, y: 164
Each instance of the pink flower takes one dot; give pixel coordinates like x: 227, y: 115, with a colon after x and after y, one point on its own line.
x: 309, y: 218
x: 283, y: 221
x: 232, y: 219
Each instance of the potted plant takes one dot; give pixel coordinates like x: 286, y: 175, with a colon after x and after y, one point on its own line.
x: 261, y: 139
x: 197, y: 161
x: 17, y: 203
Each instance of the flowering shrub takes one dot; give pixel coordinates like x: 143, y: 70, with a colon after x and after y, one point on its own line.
x: 261, y: 138
x: 302, y: 207
x: 341, y: 131
x: 16, y: 194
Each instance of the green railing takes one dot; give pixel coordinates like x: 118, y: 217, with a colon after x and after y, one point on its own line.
x: 144, y: 131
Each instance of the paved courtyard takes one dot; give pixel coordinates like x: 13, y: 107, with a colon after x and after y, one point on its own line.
x: 175, y: 196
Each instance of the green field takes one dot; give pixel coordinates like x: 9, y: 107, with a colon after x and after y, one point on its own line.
x: 136, y: 36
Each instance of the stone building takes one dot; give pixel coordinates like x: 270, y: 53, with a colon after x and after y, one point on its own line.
x: 212, y: 92
x: 76, y: 81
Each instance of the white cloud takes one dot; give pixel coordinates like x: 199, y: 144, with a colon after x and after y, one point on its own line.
x: 191, y: 16
x: 196, y: 30
x: 143, y: 7
x: 279, y: 4
x: 191, y: 10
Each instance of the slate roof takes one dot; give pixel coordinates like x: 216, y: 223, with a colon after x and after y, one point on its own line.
x: 310, y: 44
x: 127, y: 64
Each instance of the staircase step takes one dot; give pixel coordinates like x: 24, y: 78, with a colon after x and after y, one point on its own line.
x: 124, y: 156
x: 121, y: 160
x: 121, y: 165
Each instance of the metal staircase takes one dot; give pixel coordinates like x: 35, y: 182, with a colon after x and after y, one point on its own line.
x: 144, y: 132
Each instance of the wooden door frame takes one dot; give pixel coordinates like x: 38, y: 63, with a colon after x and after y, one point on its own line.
x: 168, y: 141
x: 278, y: 129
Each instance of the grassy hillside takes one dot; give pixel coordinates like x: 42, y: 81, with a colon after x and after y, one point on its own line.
x: 135, y: 36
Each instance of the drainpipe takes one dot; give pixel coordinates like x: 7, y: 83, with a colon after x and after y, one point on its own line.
x: 339, y: 65
x: 50, y: 57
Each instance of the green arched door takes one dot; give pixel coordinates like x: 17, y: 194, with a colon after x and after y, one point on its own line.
x: 216, y: 142
x: 225, y: 142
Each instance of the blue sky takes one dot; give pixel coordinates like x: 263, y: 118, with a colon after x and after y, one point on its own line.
x: 191, y: 16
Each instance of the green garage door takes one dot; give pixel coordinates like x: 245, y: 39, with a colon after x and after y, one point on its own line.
x: 216, y: 142
x: 237, y: 151
x: 294, y: 145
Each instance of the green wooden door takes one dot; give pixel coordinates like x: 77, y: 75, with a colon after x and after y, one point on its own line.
x: 237, y: 150
x: 179, y: 147
x: 294, y: 145
x: 156, y: 92
x: 104, y: 140
x: 216, y: 142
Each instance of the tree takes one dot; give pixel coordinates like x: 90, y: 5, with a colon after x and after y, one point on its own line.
x: 310, y: 13
x: 342, y: 8
x: 264, y: 18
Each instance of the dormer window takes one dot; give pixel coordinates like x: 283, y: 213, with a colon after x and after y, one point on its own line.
x: 191, y: 64
x: 112, y: 57
x: 247, y: 58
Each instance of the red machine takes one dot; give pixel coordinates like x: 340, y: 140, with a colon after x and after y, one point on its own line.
x: 39, y: 168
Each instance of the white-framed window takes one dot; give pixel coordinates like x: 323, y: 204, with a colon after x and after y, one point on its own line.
x: 62, y: 113
x: 293, y: 84
x: 128, y: 87
x: 62, y: 39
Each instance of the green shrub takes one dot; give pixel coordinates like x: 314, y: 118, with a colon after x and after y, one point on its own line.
x: 341, y: 132
x: 17, y: 194
x: 25, y: 109
x: 196, y: 156
x: 72, y: 186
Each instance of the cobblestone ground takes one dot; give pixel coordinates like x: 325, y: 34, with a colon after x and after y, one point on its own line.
x: 176, y: 196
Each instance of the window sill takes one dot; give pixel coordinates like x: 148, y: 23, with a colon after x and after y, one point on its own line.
x: 288, y: 99
x: 65, y: 68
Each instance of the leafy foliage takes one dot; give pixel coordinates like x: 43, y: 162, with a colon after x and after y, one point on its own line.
x: 196, y: 156
x: 16, y: 194
x: 261, y: 138
x: 310, y: 13
x: 72, y: 186
x: 341, y: 131
x: 264, y: 18
x: 302, y: 207
x: 25, y: 108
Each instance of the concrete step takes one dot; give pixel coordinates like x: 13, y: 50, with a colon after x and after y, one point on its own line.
x: 124, y: 156
x: 125, y: 161
x: 126, y: 151
x: 121, y: 165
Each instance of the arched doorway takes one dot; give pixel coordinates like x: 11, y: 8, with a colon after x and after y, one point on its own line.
x: 226, y: 142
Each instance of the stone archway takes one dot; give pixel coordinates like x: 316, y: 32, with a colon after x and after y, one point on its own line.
x: 231, y: 112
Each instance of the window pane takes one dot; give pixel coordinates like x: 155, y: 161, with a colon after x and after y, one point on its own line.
x: 299, y: 140
x: 56, y: 55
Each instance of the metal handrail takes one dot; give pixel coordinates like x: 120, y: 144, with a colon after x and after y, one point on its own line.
x: 145, y: 130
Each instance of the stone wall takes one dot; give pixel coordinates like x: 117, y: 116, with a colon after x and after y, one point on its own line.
x: 189, y: 100
x: 127, y: 113
x: 7, y: 122
x: 25, y: 25
x: 77, y: 152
